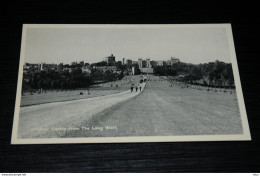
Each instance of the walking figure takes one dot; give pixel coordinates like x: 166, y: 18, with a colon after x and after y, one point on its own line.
x: 140, y: 87
x: 136, y: 88
x: 132, y: 88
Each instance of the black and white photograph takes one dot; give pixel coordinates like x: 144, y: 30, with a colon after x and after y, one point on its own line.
x: 128, y: 83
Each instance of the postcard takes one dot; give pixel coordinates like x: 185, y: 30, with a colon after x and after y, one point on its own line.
x: 128, y: 83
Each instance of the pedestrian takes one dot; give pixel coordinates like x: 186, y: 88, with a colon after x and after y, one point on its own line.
x: 132, y: 88
x: 136, y: 88
x: 140, y: 87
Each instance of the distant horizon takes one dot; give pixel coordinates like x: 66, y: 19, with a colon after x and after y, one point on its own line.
x: 193, y: 45
x: 120, y: 60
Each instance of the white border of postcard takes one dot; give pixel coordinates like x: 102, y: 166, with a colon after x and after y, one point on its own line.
x: 243, y: 137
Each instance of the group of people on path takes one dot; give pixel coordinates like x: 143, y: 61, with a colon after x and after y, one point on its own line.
x: 136, y: 87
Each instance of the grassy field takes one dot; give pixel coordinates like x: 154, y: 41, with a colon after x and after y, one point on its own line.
x: 94, y: 91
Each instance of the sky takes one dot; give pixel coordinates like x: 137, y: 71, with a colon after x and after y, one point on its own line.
x: 65, y: 45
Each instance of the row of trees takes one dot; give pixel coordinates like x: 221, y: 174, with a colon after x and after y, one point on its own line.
x: 99, y: 75
x: 65, y: 79
x: 57, y: 80
x: 213, y: 73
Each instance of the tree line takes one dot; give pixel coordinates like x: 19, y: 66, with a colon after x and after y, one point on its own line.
x: 65, y: 80
x: 213, y: 73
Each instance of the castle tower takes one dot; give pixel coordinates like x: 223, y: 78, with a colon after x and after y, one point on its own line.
x: 148, y: 64
x: 140, y: 63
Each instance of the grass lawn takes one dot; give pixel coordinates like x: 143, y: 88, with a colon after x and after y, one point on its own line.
x: 94, y: 91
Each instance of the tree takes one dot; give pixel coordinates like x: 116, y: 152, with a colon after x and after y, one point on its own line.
x: 228, y: 74
x: 109, y: 76
x: 138, y: 71
x: 120, y: 66
x: 196, y: 73
x: 97, y: 74
x: 76, y: 72
x: 218, y: 70
x: 35, y: 80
